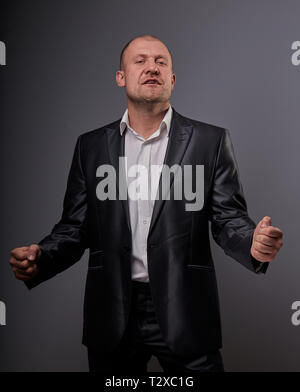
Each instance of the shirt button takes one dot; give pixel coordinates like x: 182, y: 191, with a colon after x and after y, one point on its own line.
x: 145, y: 222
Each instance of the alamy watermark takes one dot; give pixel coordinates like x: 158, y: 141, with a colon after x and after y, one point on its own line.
x: 142, y: 183
x: 295, y: 58
x: 2, y: 313
x: 296, y: 315
x: 2, y: 53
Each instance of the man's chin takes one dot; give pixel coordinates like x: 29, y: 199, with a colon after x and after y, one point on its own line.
x: 148, y: 99
x: 154, y: 98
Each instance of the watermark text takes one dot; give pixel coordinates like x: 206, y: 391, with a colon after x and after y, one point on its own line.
x: 296, y: 315
x: 152, y: 183
x: 2, y: 53
x: 296, y: 55
x: 2, y: 313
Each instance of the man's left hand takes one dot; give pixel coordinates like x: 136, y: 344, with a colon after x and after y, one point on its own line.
x: 267, y: 240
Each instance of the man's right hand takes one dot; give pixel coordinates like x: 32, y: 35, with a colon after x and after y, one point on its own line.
x: 23, y: 261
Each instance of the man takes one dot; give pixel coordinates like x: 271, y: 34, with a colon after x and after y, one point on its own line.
x: 151, y: 285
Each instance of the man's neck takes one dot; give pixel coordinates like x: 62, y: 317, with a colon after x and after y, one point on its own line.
x: 146, y: 119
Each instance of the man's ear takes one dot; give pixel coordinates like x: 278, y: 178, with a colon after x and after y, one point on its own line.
x: 173, y: 80
x: 120, y: 78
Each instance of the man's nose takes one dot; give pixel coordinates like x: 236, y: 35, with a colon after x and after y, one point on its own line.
x: 152, y: 68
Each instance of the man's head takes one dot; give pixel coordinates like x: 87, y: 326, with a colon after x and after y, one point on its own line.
x: 146, y: 70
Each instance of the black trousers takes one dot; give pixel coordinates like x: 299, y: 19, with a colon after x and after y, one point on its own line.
x: 142, y: 339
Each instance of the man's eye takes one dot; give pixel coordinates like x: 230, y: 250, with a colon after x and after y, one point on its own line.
x: 140, y: 61
x: 161, y: 62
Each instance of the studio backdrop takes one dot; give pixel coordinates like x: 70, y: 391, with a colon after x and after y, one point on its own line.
x: 238, y: 66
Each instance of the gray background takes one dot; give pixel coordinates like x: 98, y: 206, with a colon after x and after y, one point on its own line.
x: 233, y: 67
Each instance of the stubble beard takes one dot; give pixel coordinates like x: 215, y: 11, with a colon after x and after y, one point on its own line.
x: 151, y: 99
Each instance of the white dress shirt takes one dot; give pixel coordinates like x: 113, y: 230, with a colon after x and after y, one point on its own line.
x: 146, y: 152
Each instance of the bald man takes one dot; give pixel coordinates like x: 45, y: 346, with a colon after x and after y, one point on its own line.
x: 151, y: 284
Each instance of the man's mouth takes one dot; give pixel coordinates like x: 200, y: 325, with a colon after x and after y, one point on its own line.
x: 152, y: 81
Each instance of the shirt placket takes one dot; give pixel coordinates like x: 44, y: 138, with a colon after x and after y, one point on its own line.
x: 144, y: 212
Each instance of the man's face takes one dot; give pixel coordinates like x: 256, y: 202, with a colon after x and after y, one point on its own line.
x: 147, y: 71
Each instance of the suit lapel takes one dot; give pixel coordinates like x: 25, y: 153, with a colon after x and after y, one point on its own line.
x: 179, y: 137
x: 116, y: 149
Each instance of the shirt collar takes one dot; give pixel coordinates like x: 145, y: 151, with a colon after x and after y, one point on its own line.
x: 165, y: 121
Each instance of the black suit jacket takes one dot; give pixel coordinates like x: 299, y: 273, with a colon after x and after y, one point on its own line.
x: 180, y: 264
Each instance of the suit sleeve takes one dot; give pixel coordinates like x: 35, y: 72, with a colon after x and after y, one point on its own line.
x: 67, y: 241
x: 231, y: 226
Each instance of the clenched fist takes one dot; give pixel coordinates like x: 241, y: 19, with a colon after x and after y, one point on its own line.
x: 267, y: 240
x: 23, y: 261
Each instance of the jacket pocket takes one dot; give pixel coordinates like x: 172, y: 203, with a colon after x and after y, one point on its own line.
x: 201, y: 267
x: 96, y: 260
